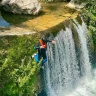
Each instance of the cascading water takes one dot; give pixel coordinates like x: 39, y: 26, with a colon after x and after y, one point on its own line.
x: 63, y: 75
x: 84, y: 56
x: 62, y: 63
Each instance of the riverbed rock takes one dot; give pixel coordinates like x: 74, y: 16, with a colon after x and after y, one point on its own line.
x: 21, y: 6
x: 76, y: 4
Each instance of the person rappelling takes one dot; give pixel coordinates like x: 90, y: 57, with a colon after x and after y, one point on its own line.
x: 41, y: 47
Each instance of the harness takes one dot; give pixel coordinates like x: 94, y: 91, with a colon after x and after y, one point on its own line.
x: 42, y: 43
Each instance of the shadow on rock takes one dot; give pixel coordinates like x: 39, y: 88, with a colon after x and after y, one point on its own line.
x: 18, y: 18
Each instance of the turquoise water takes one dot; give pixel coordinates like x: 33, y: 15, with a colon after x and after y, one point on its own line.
x: 4, y: 22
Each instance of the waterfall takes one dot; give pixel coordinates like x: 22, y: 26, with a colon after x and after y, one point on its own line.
x: 66, y: 74
x: 84, y: 56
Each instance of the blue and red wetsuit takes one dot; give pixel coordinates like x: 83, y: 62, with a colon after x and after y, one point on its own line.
x: 41, y: 51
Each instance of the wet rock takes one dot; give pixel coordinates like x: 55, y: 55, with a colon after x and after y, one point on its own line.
x: 76, y: 4
x: 21, y: 6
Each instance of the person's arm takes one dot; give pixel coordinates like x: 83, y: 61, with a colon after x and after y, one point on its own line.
x: 52, y: 41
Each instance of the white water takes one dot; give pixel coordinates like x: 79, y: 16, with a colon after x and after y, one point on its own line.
x: 65, y: 74
x: 84, y: 56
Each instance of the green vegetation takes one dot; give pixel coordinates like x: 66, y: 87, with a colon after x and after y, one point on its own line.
x: 17, y: 69
x: 89, y: 14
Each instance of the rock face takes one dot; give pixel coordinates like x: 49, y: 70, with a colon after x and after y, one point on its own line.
x: 76, y: 4
x: 54, y: 0
x: 21, y: 6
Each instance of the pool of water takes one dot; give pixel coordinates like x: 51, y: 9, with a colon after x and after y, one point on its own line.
x: 3, y: 22
x: 51, y: 15
x: 7, y: 19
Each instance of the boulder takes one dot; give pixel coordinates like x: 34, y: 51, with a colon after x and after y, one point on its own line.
x: 76, y: 4
x: 21, y: 6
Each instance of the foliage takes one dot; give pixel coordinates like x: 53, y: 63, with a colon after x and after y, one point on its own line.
x: 17, y: 69
x: 89, y: 14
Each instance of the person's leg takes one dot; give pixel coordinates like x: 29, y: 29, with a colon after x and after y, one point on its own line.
x: 39, y: 54
x: 43, y: 61
x: 44, y: 56
x: 43, y: 52
x: 36, y: 58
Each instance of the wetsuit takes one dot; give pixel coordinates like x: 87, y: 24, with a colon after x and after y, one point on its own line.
x: 42, y: 51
